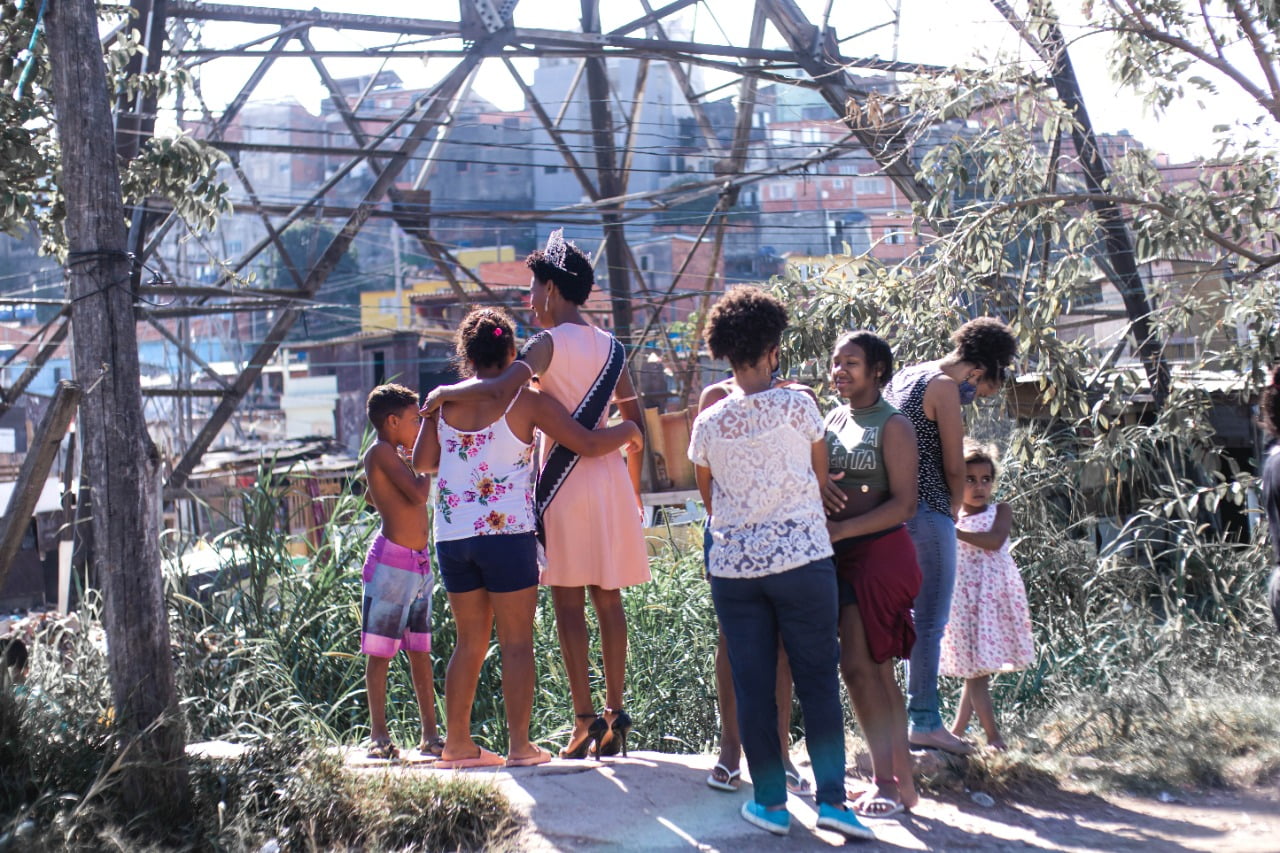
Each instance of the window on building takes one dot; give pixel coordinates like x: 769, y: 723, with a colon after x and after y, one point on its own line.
x: 551, y: 169
x: 868, y: 186
x: 379, y: 367
x: 780, y: 137
x: 812, y: 134
x: 462, y: 165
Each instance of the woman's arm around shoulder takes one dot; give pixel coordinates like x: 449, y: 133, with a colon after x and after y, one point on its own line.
x: 993, y: 539
x: 546, y: 413
x: 534, y: 360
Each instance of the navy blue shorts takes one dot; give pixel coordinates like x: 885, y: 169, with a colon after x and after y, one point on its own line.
x: 497, y: 563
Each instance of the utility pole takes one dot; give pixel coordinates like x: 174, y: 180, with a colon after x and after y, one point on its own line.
x: 121, y: 463
x: 608, y: 180
x: 1119, y: 259
x: 398, y: 272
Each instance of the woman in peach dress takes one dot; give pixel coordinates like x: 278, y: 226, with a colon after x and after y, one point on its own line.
x: 588, y: 508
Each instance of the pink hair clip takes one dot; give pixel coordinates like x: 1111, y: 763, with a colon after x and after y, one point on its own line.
x: 497, y: 332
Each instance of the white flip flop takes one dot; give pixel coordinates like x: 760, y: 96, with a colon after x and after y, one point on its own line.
x: 730, y: 784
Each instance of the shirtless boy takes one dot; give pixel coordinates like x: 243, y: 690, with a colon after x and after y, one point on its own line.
x: 397, y: 573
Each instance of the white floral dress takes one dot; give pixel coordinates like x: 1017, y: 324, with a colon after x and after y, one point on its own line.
x: 990, y: 626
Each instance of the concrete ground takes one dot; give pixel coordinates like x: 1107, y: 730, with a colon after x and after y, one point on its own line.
x: 658, y: 802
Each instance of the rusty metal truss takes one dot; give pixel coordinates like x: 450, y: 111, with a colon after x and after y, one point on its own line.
x: 483, y: 32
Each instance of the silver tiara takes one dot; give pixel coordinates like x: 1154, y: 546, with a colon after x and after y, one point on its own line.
x: 556, y: 250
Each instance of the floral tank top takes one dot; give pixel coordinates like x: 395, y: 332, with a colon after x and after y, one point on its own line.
x: 485, y: 483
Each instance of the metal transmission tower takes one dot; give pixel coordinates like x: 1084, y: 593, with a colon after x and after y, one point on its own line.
x: 390, y: 157
x: 484, y: 32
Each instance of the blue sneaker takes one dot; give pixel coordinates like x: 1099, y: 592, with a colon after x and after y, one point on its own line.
x: 843, y: 821
x: 777, y: 821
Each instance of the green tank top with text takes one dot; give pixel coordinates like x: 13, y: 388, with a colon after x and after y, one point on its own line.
x: 855, y: 444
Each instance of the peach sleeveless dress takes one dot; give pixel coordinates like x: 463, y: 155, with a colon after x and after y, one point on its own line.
x: 593, y: 526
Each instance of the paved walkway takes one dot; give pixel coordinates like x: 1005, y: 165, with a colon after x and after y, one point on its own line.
x: 659, y: 802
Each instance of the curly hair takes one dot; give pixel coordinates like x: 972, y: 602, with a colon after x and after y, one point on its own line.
x: 574, y: 281
x: 987, y: 343
x: 387, y: 400
x: 876, y: 349
x: 977, y: 452
x: 486, y: 338
x: 1270, y: 404
x: 744, y: 325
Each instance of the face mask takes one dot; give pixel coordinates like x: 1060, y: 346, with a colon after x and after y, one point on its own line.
x: 967, y: 392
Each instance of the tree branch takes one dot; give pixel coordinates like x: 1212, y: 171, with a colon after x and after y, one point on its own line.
x: 1262, y: 261
x: 1144, y: 29
x: 1265, y: 55
x: 1213, y: 36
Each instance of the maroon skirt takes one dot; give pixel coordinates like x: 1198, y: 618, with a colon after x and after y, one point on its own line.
x: 885, y: 578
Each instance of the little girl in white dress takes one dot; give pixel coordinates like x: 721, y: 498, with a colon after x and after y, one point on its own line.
x: 990, y: 626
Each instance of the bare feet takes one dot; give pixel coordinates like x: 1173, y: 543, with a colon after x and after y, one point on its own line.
x: 941, y: 739
x: 996, y: 744
x: 531, y: 755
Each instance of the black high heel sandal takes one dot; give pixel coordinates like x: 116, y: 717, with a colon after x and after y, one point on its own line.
x: 618, y: 739
x: 594, y: 732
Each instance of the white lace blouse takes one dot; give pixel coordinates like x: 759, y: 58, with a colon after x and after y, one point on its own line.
x: 767, y: 509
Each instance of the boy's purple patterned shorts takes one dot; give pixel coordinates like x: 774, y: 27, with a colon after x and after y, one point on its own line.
x: 397, y: 600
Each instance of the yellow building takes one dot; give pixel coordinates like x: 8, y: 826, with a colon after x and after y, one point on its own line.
x: 381, y: 310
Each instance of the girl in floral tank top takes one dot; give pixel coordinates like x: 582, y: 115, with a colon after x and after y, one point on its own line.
x: 485, y: 482
x: 486, y: 547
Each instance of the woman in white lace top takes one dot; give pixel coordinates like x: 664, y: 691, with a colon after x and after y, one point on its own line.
x: 758, y: 457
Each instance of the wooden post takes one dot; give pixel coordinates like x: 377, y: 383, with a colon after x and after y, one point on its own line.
x: 34, y: 472
x: 121, y: 465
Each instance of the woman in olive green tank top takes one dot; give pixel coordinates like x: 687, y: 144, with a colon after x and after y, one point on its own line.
x: 871, y: 493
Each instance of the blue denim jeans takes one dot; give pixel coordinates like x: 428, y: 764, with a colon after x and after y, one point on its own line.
x: 934, y: 535
x: 800, y: 605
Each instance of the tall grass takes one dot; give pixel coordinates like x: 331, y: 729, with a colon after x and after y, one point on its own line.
x: 1153, y: 656
x: 275, y: 644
